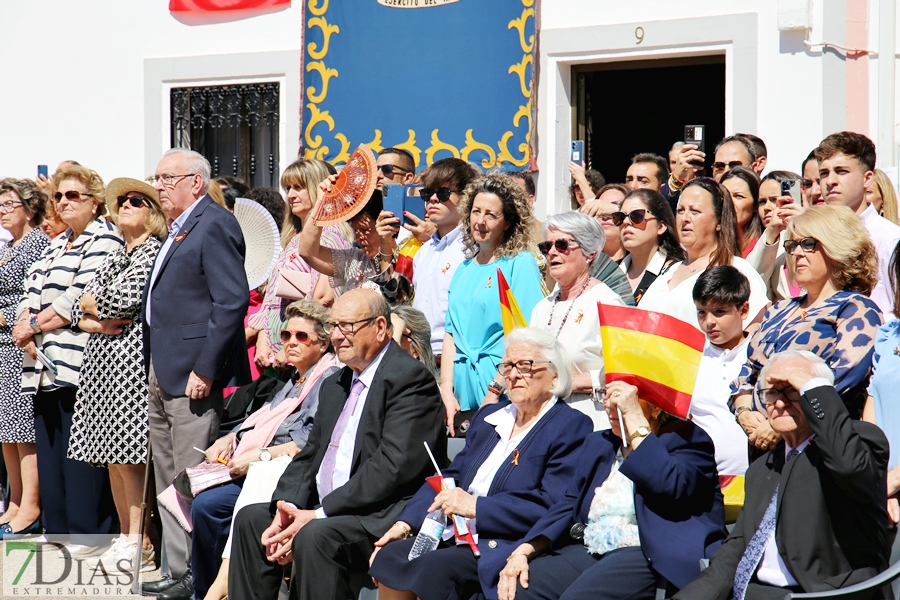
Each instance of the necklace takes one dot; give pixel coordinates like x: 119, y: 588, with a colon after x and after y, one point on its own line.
x: 565, y: 318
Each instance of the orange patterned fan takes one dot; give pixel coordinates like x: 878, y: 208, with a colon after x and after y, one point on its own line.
x: 355, y: 184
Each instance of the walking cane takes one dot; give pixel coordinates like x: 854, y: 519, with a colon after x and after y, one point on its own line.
x: 135, y: 582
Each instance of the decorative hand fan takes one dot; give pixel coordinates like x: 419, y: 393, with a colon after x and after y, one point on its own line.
x: 351, y: 191
x: 261, y: 237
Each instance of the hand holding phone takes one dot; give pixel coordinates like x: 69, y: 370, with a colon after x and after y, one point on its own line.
x: 694, y: 135
x: 577, y: 154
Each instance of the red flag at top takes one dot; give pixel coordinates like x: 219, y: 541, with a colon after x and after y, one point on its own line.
x: 204, y: 6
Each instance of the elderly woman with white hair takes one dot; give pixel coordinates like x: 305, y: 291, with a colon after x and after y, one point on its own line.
x: 573, y: 242
x: 519, y: 457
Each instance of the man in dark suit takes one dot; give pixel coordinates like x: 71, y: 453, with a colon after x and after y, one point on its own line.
x: 193, y: 307
x: 815, y: 516
x: 364, y: 460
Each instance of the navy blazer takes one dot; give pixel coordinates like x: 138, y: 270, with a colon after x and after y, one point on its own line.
x: 200, y: 299
x: 678, y: 504
x: 520, y: 493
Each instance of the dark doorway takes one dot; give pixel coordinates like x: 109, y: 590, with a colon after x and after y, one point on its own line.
x: 623, y: 108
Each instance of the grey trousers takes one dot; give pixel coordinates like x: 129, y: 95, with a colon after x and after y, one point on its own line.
x: 177, y: 424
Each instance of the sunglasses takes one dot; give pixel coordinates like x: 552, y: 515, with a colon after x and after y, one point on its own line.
x: 135, y: 201
x: 443, y: 194
x: 561, y: 246
x: 721, y: 166
x: 301, y: 336
x: 636, y: 217
x: 71, y: 196
x: 806, y: 244
x: 388, y: 170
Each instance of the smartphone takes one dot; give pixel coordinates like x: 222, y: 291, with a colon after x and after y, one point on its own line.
x: 42, y: 170
x: 45, y: 360
x: 404, y: 198
x: 693, y: 134
x: 577, y: 155
x: 791, y: 187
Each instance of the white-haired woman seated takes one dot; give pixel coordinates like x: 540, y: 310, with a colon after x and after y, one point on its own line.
x: 519, y: 455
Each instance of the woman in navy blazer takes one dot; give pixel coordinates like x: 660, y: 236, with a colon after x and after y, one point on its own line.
x: 505, y: 481
x: 677, y: 505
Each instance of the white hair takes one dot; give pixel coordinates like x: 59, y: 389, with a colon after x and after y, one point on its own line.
x: 587, y: 232
x: 819, y: 366
x: 195, y: 163
x: 560, y: 361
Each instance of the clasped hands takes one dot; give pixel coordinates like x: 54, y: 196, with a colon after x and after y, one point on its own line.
x: 278, y: 538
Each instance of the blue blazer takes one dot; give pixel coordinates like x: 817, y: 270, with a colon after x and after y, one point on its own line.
x: 677, y: 501
x: 519, y: 494
x: 200, y: 299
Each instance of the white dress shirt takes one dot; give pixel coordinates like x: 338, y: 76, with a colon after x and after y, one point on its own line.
x: 433, y: 268
x: 344, y: 459
x: 885, y: 236
x: 174, y: 229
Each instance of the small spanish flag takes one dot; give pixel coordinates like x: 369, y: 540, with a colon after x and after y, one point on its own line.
x: 408, y: 250
x: 733, y: 490
x: 509, y: 308
x: 653, y: 351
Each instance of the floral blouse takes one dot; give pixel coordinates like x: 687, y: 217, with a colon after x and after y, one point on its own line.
x: 841, y: 331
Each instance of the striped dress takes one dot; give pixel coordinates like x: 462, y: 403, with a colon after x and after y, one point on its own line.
x: 57, y: 281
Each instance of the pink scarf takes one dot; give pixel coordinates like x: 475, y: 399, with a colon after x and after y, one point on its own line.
x: 265, y: 422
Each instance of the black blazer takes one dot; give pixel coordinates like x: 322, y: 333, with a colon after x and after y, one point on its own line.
x: 200, y: 299
x: 831, y: 526
x: 403, y: 409
x: 677, y: 502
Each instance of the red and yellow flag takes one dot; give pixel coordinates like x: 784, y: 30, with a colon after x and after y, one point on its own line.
x: 509, y: 308
x: 408, y: 249
x: 653, y: 351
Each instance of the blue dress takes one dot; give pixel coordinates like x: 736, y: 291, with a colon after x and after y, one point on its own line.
x: 474, y: 321
x: 884, y: 385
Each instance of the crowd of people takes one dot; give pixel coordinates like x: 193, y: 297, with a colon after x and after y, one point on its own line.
x: 131, y: 340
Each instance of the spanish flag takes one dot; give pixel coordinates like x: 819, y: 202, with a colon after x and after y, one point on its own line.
x: 408, y: 249
x: 509, y: 308
x: 655, y: 352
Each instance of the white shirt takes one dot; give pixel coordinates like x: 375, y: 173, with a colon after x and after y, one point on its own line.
x: 655, y: 265
x: 344, y: 459
x: 504, y: 420
x: 679, y: 302
x: 709, y: 405
x: 580, y: 335
x: 174, y: 229
x: 433, y: 268
x: 885, y: 236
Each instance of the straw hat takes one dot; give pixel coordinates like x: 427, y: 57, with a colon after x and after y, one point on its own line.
x: 122, y: 185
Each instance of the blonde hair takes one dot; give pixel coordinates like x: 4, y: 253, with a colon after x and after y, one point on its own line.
x: 885, y: 188
x: 516, y: 212
x: 88, y: 178
x: 844, y: 240
x: 215, y: 192
x: 308, y: 174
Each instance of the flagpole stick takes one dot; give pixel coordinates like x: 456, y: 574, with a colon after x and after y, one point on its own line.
x: 433, y: 461
x: 622, y: 428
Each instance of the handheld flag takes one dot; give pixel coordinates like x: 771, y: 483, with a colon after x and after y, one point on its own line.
x: 653, y: 351
x: 509, y: 308
x: 408, y: 249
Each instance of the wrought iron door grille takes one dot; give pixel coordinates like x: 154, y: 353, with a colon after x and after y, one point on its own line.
x: 234, y: 126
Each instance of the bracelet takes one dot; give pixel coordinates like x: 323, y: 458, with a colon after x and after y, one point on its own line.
x: 496, y: 388
x: 407, y: 533
x: 680, y: 182
x: 514, y: 554
x: 738, y: 411
x: 673, y: 183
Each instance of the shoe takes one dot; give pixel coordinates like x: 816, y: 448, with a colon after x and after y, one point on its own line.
x: 119, y: 558
x: 152, y: 588
x: 7, y: 530
x: 148, y: 560
x: 183, y: 590
x: 84, y: 551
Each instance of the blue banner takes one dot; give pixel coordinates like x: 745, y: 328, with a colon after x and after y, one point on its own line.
x: 438, y: 78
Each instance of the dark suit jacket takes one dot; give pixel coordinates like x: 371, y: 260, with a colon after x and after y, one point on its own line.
x: 200, y: 299
x: 519, y: 494
x: 831, y: 527
x: 677, y: 501
x: 403, y: 409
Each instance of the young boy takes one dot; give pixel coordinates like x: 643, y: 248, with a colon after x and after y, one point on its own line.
x: 721, y: 296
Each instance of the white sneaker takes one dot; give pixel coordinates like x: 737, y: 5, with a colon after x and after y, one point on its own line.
x: 83, y: 551
x: 120, y: 558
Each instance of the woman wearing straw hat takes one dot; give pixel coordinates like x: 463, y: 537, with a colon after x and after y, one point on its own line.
x: 110, y: 423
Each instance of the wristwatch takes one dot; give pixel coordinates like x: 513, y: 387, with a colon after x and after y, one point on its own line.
x: 497, y: 388
x: 265, y: 455
x: 738, y: 411
x: 642, y: 431
x: 34, y: 324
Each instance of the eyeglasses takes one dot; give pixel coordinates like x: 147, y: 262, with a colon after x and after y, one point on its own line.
x: 348, y: 328
x: 721, y: 166
x: 806, y: 244
x: 135, y: 201
x: 523, y: 366
x: 71, y: 196
x: 168, y: 179
x: 636, y: 217
x: 8, y: 207
x: 302, y: 336
x: 771, y: 395
x: 561, y: 246
x: 388, y: 170
x: 443, y: 194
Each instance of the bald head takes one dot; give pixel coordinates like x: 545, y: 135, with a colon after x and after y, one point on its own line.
x: 360, y: 327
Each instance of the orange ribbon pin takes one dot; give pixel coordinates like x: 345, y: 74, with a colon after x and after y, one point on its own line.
x: 515, y: 459
x: 180, y: 236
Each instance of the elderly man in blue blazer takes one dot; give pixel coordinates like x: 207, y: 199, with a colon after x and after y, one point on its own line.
x: 193, y: 308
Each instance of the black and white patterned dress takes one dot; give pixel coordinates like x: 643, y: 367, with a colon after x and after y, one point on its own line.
x: 110, y: 423
x: 16, y: 410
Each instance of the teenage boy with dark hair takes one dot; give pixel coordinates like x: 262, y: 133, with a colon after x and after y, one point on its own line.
x: 722, y: 298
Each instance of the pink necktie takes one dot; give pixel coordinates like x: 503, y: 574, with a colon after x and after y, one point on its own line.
x: 326, y: 471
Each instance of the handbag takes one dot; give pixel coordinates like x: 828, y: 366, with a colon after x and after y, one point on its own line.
x: 292, y: 284
x: 204, y: 476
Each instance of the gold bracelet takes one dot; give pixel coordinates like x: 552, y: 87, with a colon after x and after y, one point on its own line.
x: 407, y: 533
x: 514, y: 554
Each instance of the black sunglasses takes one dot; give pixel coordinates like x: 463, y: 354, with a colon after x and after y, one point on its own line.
x: 636, y: 217
x: 71, y: 196
x: 807, y: 244
x: 388, y: 170
x: 720, y: 166
x: 443, y: 194
x: 301, y: 336
x: 135, y: 201
x: 561, y: 246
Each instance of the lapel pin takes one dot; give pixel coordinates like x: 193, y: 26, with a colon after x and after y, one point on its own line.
x: 515, y: 460
x: 181, y: 236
